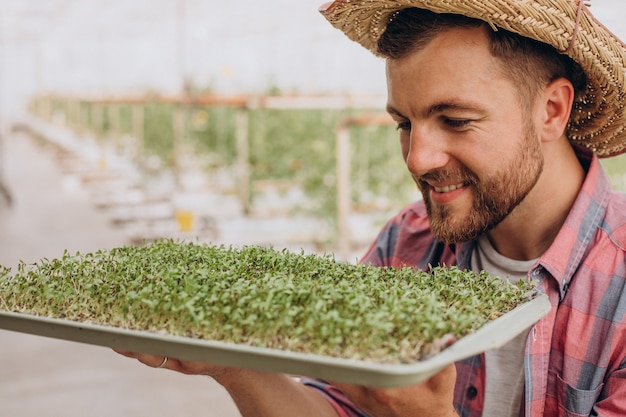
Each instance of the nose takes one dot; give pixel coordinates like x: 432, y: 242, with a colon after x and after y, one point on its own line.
x: 424, y: 151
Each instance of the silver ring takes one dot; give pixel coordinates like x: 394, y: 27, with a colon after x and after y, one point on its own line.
x: 162, y: 364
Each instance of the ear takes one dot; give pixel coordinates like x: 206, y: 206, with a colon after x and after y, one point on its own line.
x: 556, y: 108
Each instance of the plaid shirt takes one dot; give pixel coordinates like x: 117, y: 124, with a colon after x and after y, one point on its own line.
x: 575, y: 360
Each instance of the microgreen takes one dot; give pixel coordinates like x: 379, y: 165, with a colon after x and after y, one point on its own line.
x: 263, y: 297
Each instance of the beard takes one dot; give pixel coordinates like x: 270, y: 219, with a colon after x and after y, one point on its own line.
x: 495, y: 197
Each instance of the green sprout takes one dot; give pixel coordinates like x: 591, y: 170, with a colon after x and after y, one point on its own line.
x: 263, y: 297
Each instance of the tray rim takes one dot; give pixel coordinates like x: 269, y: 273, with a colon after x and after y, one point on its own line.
x: 492, y: 335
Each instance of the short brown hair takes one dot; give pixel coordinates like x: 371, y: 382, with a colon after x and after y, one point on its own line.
x: 531, y: 64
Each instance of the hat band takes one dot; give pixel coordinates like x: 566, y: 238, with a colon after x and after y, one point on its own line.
x: 581, y: 3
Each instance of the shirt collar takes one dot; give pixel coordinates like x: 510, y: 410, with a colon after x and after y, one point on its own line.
x: 564, y: 256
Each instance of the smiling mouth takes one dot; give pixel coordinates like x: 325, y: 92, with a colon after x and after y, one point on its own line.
x: 448, y: 188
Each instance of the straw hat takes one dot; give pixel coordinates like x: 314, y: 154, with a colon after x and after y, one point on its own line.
x: 598, y: 119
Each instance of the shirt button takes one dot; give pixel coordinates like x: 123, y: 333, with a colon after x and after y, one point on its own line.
x: 536, y: 272
x: 472, y: 392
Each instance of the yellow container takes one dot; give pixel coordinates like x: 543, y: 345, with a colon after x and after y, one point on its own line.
x: 185, y: 220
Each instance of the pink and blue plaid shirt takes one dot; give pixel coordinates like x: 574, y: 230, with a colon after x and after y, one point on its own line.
x: 575, y: 360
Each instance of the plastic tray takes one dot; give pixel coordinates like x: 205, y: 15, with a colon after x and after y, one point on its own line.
x: 494, y: 334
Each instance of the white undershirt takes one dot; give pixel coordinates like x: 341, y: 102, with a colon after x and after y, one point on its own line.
x: 504, y: 386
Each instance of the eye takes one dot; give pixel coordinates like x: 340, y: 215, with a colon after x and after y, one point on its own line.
x: 457, y: 124
x: 404, y: 126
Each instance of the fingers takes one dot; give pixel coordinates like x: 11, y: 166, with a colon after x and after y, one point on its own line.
x: 153, y: 361
x: 182, y: 366
x: 125, y: 352
x: 162, y: 364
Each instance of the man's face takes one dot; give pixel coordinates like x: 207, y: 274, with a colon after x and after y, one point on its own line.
x: 469, y: 145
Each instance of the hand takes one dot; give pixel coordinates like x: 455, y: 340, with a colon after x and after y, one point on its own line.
x: 255, y: 393
x: 432, y: 398
x: 186, y: 367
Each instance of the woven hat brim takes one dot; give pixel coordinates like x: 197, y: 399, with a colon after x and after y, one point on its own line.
x: 598, y: 118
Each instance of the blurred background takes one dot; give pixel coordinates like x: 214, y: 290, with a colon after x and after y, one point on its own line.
x: 189, y: 118
x: 243, y: 122
x: 101, y: 47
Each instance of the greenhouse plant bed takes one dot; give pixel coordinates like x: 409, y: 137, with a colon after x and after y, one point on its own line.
x: 493, y: 335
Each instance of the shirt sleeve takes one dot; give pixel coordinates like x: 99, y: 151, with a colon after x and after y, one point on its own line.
x: 342, y: 405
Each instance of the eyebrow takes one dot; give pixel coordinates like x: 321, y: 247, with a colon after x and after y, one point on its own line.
x: 438, y: 108
x: 441, y: 107
x: 394, y: 112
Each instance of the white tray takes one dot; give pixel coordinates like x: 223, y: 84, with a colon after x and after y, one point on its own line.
x: 493, y: 335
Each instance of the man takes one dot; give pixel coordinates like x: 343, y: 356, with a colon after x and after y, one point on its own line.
x: 503, y: 108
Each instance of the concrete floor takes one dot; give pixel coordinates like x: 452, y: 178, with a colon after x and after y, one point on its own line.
x: 41, y: 377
